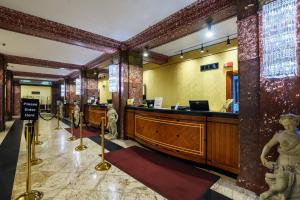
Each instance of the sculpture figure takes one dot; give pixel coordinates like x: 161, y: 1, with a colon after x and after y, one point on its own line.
x: 112, y: 116
x: 76, y: 113
x: 284, y: 182
x: 61, y: 109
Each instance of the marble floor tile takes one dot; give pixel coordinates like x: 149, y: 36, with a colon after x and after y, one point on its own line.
x: 68, y: 174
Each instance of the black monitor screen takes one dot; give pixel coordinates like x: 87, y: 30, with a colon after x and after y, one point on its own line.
x: 150, y: 103
x: 201, y: 105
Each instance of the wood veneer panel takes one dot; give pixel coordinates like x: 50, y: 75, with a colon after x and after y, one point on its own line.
x: 223, y: 144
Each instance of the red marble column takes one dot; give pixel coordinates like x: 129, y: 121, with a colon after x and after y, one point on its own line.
x: 9, y: 95
x: 16, y: 98
x: 251, y: 172
x: 55, y: 90
x: 130, y: 85
x: 262, y: 100
x: 3, y: 64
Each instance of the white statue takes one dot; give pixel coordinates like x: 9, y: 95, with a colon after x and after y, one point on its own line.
x: 61, y: 109
x: 284, y: 182
x: 76, y: 113
x: 112, y: 117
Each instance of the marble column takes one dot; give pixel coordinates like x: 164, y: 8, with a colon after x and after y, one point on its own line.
x: 3, y: 65
x: 130, y: 84
x: 55, y: 90
x: 9, y: 94
x: 16, y: 98
x: 251, y: 172
x: 89, y: 86
x: 83, y: 91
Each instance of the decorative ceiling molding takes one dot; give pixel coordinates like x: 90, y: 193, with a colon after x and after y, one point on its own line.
x: 103, y: 58
x: 38, y: 75
x: 16, y: 21
x: 73, y: 75
x: 186, y: 21
x: 41, y: 63
x: 156, y: 58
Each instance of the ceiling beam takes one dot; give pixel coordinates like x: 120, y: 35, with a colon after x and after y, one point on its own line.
x: 97, y: 61
x: 41, y: 63
x: 184, y: 22
x: 156, y: 58
x: 37, y: 75
x: 16, y: 21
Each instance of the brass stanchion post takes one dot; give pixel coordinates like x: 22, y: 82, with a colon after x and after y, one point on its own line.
x: 37, y: 133
x: 72, y: 138
x: 103, y: 165
x: 34, y: 160
x: 81, y: 146
x: 58, y: 117
x: 29, y: 194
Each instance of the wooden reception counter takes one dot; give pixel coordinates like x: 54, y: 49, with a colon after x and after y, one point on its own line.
x: 210, y: 138
x: 94, y: 113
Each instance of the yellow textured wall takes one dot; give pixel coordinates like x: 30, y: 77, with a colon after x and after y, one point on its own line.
x: 26, y: 92
x: 181, y: 80
x: 104, y: 90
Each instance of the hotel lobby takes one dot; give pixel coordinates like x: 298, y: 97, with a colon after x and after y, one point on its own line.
x: 150, y: 100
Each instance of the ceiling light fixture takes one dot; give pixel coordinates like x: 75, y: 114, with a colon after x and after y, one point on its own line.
x: 228, y: 41
x: 181, y: 54
x: 3, y: 44
x: 202, y: 49
x: 146, y: 54
x: 209, y: 32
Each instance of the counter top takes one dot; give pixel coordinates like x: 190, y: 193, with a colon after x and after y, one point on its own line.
x: 97, y: 105
x: 187, y: 112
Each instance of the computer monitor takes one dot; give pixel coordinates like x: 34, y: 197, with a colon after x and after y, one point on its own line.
x: 200, y: 105
x: 150, y: 103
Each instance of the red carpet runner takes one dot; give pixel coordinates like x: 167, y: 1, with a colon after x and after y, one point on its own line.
x: 85, y: 132
x: 172, y: 179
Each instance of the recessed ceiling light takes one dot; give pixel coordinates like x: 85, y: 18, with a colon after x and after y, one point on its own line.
x: 3, y: 44
x: 181, y: 54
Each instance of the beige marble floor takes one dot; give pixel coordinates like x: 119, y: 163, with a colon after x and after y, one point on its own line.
x: 68, y: 174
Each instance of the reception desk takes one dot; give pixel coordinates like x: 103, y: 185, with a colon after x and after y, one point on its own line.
x: 68, y: 109
x: 94, y: 113
x: 210, y: 138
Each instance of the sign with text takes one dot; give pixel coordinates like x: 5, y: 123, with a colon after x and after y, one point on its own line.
x: 29, y: 109
x: 158, y: 102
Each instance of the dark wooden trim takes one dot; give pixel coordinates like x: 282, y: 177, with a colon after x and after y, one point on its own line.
x: 40, y: 63
x: 16, y: 21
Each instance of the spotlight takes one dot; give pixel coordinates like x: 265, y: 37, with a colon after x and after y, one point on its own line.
x: 202, y: 49
x: 209, y: 32
x: 181, y: 54
x: 146, y: 54
x: 228, y: 41
x: 95, y: 72
x: 3, y: 44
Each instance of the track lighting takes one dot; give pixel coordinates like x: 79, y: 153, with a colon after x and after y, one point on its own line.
x: 181, y: 54
x: 228, y: 41
x: 209, y: 32
x: 146, y: 54
x: 202, y: 49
